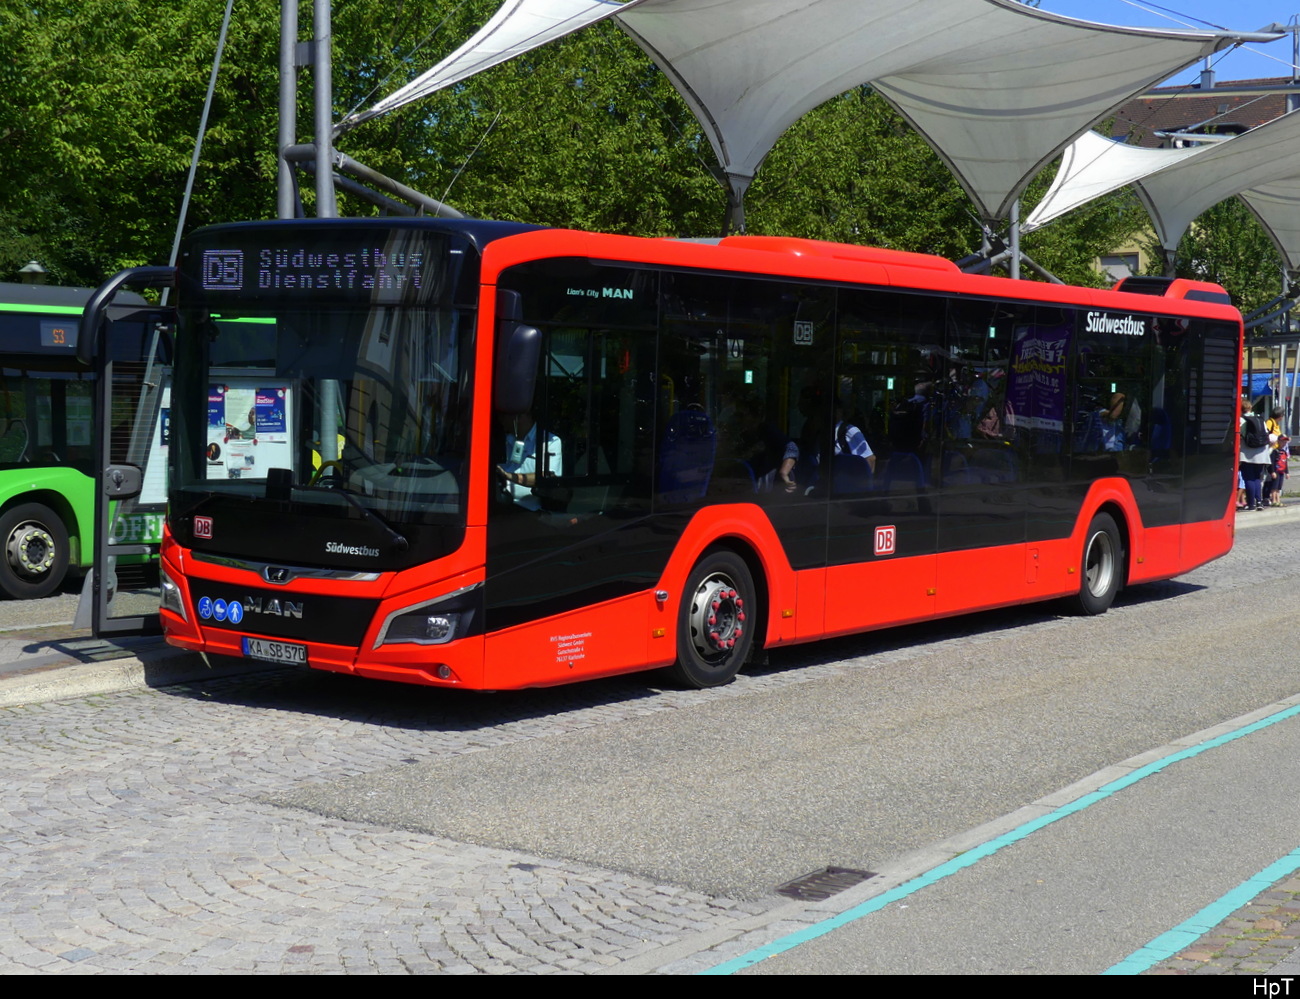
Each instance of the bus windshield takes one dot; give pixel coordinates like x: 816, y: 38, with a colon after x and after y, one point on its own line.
x: 352, y: 418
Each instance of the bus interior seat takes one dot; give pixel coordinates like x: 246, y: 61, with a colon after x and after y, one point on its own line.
x: 686, y: 452
x: 850, y: 474
x: 956, y: 469
x: 903, y: 470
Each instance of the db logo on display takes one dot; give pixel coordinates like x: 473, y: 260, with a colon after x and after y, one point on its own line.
x: 886, y: 539
x: 203, y: 528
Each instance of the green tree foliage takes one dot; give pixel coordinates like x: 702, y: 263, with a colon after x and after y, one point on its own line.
x: 105, y: 97
x: 96, y: 136
x: 583, y: 133
x: 852, y: 170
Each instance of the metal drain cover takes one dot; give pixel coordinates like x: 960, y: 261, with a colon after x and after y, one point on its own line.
x: 823, y: 884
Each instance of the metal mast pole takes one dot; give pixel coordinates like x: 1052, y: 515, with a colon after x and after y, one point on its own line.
x: 326, y: 204
x: 1014, y: 262
x: 288, y: 134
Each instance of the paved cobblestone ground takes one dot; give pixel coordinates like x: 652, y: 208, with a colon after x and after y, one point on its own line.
x: 135, y: 841
x: 138, y: 836
x: 1261, y: 937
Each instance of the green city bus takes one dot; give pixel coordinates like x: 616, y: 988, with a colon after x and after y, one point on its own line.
x: 47, y: 438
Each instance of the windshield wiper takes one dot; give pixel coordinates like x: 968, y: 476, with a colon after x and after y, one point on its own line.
x: 399, y: 540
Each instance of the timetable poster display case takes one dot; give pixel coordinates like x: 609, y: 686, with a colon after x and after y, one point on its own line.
x: 250, y: 424
x: 154, y: 491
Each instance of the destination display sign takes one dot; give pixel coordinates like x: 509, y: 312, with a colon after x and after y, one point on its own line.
x: 59, y: 333
x: 264, y: 268
x: 379, y: 266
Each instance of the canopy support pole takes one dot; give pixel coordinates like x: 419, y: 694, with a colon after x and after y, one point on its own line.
x: 1038, y: 269
x: 736, y: 185
x: 1290, y: 402
x: 326, y: 202
x: 1015, y: 240
x: 306, y: 154
x: 286, y: 190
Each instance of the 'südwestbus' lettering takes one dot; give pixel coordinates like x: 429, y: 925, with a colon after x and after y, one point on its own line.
x: 1100, y: 322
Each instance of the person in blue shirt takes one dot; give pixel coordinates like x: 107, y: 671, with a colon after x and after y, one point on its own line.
x: 519, y: 471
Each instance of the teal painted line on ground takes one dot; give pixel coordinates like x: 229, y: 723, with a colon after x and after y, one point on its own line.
x: 976, y: 854
x: 1188, y: 932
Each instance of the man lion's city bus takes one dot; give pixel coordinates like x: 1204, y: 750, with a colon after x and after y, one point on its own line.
x: 491, y: 455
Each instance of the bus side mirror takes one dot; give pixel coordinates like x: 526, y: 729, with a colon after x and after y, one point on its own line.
x: 122, y: 481
x: 519, y: 348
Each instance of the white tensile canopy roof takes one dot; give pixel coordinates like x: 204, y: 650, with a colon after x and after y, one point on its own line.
x: 1177, y: 194
x: 1277, y: 206
x: 1177, y: 185
x: 997, y: 88
x: 1093, y: 166
x: 517, y: 27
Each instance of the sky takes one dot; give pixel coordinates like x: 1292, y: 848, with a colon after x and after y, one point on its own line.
x: 1247, y: 62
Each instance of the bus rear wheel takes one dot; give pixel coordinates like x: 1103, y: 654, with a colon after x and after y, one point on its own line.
x: 35, y: 551
x: 715, y: 627
x: 1102, y: 569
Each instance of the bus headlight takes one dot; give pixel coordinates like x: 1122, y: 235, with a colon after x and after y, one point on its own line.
x: 171, y: 596
x: 422, y: 628
x: 435, y: 622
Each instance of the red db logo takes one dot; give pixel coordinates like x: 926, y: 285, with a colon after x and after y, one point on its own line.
x: 203, y: 529
x: 886, y: 538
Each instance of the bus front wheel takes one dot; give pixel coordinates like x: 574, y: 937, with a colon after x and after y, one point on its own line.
x: 715, y: 627
x: 1102, y: 569
x: 35, y: 551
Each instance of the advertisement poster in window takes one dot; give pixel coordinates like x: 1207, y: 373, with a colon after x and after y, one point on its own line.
x: 248, y: 429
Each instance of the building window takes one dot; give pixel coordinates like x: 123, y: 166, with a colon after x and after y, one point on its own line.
x: 1117, y: 266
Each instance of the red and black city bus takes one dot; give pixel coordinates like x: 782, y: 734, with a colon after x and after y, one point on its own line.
x: 491, y: 455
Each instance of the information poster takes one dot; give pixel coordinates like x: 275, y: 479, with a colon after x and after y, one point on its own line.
x: 249, y: 425
x: 155, y: 468
x: 1036, y: 390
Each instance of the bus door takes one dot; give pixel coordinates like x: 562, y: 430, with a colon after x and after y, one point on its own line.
x: 983, y: 465
x: 132, y: 408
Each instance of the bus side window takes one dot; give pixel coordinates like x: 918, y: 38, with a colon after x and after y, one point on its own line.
x: 14, y: 442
